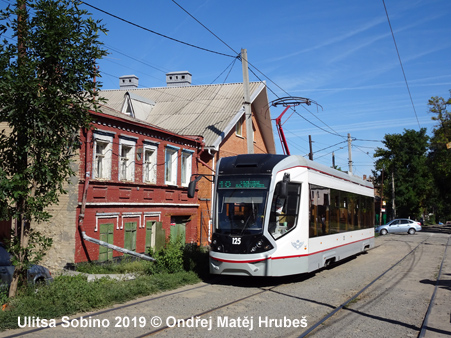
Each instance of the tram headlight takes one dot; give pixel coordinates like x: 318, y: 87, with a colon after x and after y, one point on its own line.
x: 260, y: 245
x: 216, y: 245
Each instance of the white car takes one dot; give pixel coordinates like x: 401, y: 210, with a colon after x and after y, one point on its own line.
x: 399, y: 225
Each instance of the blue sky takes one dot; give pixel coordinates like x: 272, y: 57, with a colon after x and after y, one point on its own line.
x: 338, y: 53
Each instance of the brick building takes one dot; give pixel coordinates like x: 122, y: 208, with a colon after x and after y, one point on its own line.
x: 133, y: 183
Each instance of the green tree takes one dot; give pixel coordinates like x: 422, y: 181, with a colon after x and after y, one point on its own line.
x: 440, y: 157
x: 405, y: 161
x: 47, y: 84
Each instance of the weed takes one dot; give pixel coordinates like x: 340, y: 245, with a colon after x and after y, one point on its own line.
x: 68, y: 295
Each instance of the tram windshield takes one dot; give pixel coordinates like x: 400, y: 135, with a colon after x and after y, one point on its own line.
x: 240, y: 205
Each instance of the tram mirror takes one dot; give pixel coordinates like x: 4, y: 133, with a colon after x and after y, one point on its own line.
x: 191, y: 188
x: 283, y: 192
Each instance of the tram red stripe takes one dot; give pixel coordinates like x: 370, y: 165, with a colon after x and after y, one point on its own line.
x: 285, y: 257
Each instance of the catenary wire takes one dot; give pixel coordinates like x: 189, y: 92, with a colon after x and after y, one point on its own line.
x: 156, y: 33
x: 400, y: 62
x: 253, y: 66
x: 239, y: 56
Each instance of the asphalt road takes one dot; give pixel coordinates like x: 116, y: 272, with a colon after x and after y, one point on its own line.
x: 393, y: 306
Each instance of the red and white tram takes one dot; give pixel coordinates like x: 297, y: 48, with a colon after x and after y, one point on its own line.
x: 278, y: 215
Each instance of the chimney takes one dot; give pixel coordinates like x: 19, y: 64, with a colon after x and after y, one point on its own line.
x: 178, y: 79
x: 128, y: 82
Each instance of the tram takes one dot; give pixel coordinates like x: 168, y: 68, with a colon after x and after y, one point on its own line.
x: 276, y: 215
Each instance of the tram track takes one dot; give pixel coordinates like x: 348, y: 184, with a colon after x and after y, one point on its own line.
x: 273, y: 289
x: 343, y: 306
x: 424, y: 326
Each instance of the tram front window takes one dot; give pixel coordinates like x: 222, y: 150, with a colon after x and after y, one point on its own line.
x: 240, y: 212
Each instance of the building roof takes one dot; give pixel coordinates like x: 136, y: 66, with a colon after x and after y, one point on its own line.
x: 210, y: 111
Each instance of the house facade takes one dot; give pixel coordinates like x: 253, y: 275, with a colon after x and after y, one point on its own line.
x: 134, y: 188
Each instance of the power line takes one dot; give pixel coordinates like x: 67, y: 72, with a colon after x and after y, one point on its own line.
x: 153, y: 32
x: 267, y: 77
x: 200, y: 23
x: 400, y: 62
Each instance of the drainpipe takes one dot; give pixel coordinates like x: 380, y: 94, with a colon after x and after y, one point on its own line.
x: 81, y: 217
x: 205, y: 164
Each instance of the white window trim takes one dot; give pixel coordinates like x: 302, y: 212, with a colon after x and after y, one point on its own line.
x: 187, y: 158
x: 104, y: 137
x: 130, y: 177
x: 174, y: 164
x: 239, y: 127
x: 154, y: 162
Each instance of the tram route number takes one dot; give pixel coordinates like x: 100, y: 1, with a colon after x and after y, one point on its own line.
x: 236, y: 240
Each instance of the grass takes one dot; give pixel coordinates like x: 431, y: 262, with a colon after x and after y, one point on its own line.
x: 127, y: 265
x: 177, y: 265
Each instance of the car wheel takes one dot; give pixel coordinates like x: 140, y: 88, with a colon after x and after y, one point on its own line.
x: 383, y: 232
x: 411, y: 231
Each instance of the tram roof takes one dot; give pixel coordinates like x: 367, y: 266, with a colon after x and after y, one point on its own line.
x: 270, y: 163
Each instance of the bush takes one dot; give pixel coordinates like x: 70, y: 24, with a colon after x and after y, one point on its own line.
x: 168, y: 259
x: 195, y: 258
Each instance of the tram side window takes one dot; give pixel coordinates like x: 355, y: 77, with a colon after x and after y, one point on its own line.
x: 333, y: 211
x: 284, y: 211
x: 320, y: 221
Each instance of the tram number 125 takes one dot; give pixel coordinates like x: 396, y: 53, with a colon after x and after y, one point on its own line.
x: 236, y: 240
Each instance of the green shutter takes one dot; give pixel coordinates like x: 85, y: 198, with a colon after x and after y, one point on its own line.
x: 106, y: 235
x: 178, y: 231
x: 160, y: 236
x: 130, y: 236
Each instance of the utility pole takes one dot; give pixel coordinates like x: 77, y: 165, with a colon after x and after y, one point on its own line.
x: 310, y: 155
x: 393, y: 193
x: 333, y: 159
x: 247, y: 103
x: 350, y: 153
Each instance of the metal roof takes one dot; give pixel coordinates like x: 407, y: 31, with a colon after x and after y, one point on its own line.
x: 206, y: 110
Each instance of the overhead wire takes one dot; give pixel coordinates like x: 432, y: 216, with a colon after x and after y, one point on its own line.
x: 400, y: 62
x: 156, y: 33
x: 219, y: 53
x: 267, y: 77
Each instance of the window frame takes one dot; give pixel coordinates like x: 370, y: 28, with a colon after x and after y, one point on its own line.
x: 186, y: 166
x: 130, y: 170
x: 150, y: 174
x: 171, y: 169
x: 239, y: 127
x: 105, y: 138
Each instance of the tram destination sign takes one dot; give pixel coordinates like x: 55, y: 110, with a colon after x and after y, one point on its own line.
x: 240, y: 182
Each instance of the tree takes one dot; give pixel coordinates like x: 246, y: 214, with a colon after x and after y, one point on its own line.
x: 405, y: 161
x: 440, y: 156
x: 47, y: 84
